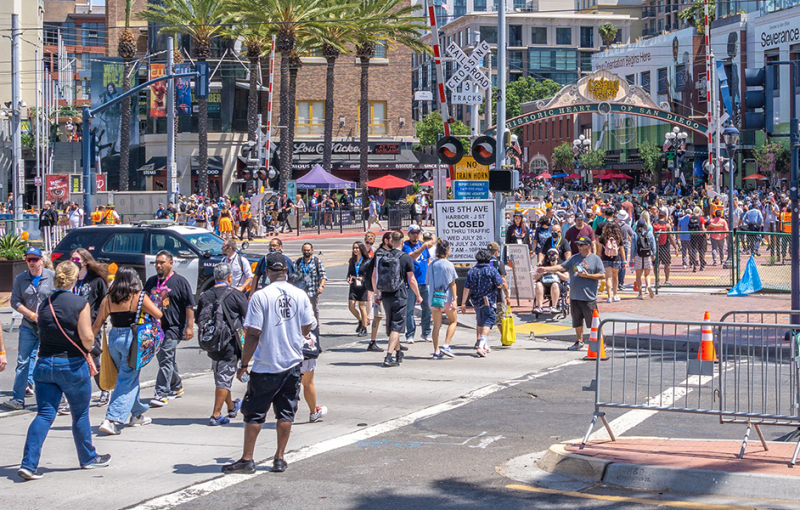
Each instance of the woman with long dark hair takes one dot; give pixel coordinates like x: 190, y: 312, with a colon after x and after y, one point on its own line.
x: 92, y: 285
x: 613, y: 256
x: 357, y: 298
x: 120, y: 306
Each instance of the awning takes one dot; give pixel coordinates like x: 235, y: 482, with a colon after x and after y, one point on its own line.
x: 215, y: 165
x: 154, y: 165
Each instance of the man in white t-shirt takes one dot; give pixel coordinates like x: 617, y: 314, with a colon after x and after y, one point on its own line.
x: 278, y: 319
x: 75, y: 216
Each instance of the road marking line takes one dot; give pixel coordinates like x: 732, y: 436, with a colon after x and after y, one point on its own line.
x: 223, y: 482
x: 631, y: 499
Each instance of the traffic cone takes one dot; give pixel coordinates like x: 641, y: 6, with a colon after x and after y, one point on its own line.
x: 593, y: 339
x: 707, y: 351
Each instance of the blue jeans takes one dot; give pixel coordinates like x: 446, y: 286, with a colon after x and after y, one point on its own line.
x: 54, y: 377
x: 168, y: 378
x: 125, y: 398
x: 425, y: 318
x: 26, y: 359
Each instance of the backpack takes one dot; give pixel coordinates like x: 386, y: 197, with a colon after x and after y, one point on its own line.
x: 643, y: 246
x: 214, y: 330
x: 611, y: 247
x: 694, y: 223
x: 390, y: 277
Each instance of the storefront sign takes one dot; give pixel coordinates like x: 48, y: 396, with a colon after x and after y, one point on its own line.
x: 781, y: 33
x: 602, y: 89
x: 57, y: 187
x: 521, y: 286
x: 471, y: 190
x: 470, y: 170
x: 468, y: 226
x: 345, y: 148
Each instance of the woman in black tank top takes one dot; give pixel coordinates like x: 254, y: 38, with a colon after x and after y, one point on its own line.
x: 120, y: 306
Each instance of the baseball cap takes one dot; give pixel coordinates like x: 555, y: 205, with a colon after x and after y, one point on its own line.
x: 583, y: 240
x: 580, y: 216
x: 372, y: 197
x: 414, y: 228
x: 33, y: 250
x: 427, y: 235
x: 276, y: 262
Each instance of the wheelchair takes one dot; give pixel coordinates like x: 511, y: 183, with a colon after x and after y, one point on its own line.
x: 562, y: 304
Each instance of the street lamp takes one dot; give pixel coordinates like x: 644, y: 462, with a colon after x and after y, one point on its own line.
x: 731, y: 136
x: 581, y: 146
x: 670, y: 137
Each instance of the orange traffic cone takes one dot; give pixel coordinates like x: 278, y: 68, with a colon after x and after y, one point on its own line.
x: 593, y: 339
x: 707, y: 351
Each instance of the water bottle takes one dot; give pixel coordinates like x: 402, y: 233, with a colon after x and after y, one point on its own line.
x: 245, y: 377
x: 532, y: 336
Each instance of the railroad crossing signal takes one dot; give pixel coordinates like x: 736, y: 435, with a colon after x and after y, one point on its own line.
x: 468, y: 66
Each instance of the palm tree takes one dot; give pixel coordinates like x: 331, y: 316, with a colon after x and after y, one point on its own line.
x: 386, y: 22
x: 254, y: 37
x: 126, y: 49
x: 202, y: 20
x: 288, y: 19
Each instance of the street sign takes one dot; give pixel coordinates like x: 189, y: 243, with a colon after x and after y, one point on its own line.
x: 423, y: 95
x: 470, y: 170
x: 468, y: 66
x: 470, y: 190
x: 468, y: 94
x: 37, y: 181
x: 468, y: 226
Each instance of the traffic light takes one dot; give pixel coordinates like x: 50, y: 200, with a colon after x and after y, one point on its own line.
x: 247, y: 173
x: 505, y: 179
x: 762, y: 80
x: 201, y: 82
x: 261, y: 173
x: 450, y: 150
x: 483, y: 150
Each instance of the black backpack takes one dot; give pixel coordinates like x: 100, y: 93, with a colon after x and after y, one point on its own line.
x: 214, y: 327
x: 643, y: 247
x: 390, y: 277
x: 694, y: 224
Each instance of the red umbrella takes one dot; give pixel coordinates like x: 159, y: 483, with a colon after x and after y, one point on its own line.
x: 622, y: 176
x: 389, y: 182
x: 574, y: 176
x: 430, y: 183
x: 544, y: 175
x: 754, y: 177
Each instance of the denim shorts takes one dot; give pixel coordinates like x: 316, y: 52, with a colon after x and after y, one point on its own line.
x: 615, y: 264
x: 486, y: 316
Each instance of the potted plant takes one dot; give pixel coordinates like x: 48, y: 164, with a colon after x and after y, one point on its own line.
x: 12, y: 253
x: 608, y: 33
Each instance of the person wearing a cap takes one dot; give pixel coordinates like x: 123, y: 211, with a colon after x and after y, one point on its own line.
x: 31, y: 288
x: 518, y: 232
x: 623, y: 220
x: 420, y: 254
x: 585, y: 271
x: 162, y: 213
x: 372, y: 213
x: 575, y: 232
x: 279, y: 318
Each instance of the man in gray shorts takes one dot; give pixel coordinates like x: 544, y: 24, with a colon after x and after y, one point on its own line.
x: 225, y: 360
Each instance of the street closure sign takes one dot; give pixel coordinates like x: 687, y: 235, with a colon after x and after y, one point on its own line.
x: 470, y: 190
x: 468, y: 226
x: 470, y: 170
x: 521, y: 286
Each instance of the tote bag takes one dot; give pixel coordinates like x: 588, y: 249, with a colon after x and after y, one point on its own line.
x: 147, y: 338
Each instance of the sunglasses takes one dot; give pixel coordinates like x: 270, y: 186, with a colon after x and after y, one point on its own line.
x: 369, y: 242
x: 76, y: 260
x: 32, y: 260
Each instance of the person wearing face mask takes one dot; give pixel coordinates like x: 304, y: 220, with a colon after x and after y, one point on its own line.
x: 240, y: 267
x: 314, y: 277
x: 260, y: 274
x: 558, y: 243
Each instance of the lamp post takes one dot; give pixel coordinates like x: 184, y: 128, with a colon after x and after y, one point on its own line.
x: 731, y: 137
x: 670, y: 137
x: 581, y: 145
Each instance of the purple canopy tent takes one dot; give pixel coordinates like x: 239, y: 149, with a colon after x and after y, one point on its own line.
x: 318, y: 178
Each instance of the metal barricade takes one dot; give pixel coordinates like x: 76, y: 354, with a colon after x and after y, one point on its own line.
x: 760, y: 316
x: 694, y: 259
x: 655, y: 365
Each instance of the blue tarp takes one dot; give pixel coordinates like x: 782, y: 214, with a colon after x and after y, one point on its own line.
x: 750, y: 281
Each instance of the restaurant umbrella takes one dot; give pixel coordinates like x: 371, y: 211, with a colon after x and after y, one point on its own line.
x: 389, y: 182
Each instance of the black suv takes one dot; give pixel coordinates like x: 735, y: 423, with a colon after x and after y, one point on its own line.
x: 195, y: 250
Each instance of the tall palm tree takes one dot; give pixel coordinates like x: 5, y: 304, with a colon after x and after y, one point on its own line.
x: 287, y: 19
x: 254, y: 37
x: 202, y: 20
x: 126, y: 49
x: 386, y: 22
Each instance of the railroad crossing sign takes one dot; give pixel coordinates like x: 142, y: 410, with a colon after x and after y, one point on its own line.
x: 468, y: 66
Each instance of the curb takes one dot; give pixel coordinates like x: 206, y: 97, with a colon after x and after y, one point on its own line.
x: 689, y: 480
x: 289, y: 237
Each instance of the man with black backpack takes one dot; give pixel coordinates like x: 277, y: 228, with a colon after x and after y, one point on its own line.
x: 392, y: 273
x: 220, y: 315
x: 697, y: 248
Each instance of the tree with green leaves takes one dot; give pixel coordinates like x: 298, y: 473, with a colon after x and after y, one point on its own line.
x: 563, y: 158
x: 593, y: 159
x: 255, y: 39
x: 523, y: 90
x: 608, y: 33
x: 431, y: 128
x: 695, y: 14
x: 650, y: 154
x: 770, y: 157
x: 203, y: 21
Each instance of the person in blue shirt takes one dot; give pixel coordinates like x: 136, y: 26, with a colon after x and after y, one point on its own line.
x: 418, y: 251
x: 685, y: 239
x: 753, y: 221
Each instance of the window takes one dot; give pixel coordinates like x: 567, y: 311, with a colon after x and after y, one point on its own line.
x: 645, y: 82
x: 479, y: 5
x: 380, y: 50
x: 539, y: 35
x: 663, y: 86
x: 631, y: 79
x: 459, y: 8
x: 547, y: 59
x: 170, y: 243
x: 93, y: 34
x: 51, y: 34
x: 680, y: 77
x: 586, y: 62
x: 515, y: 61
x: 564, y: 36
x: 310, y: 117
x: 489, y: 34
x: 515, y: 35
x: 587, y: 37
x: 377, y: 117
x: 128, y: 242
x: 519, y: 4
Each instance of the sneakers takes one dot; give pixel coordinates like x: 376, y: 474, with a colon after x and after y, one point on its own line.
x: 577, y: 346
x: 109, y: 428
x: 652, y: 292
x: 362, y: 331
x: 63, y: 409
x: 538, y: 310
x: 29, y: 390
x: 609, y: 300
x: 427, y: 338
x: 100, y: 461
x: 373, y: 347
x: 640, y: 297
x: 400, y: 355
x: 102, y: 401
x: 220, y: 420
x: 477, y: 344
x: 240, y: 467
x: 159, y: 401
x: 445, y: 349
x: 321, y: 413
x: 27, y: 474
x: 176, y: 393
x: 279, y: 466
x: 616, y: 298
x: 14, y: 405
x: 237, y: 404
x: 410, y: 340
x: 140, y: 421
x: 555, y: 309
x: 438, y: 355
x: 389, y: 361
x: 481, y: 352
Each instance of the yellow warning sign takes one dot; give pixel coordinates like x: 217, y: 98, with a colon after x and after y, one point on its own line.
x: 469, y: 170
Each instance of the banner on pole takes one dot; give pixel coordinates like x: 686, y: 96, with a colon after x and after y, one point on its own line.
x: 468, y: 226
x: 183, y: 91
x: 57, y: 186
x: 158, y: 91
